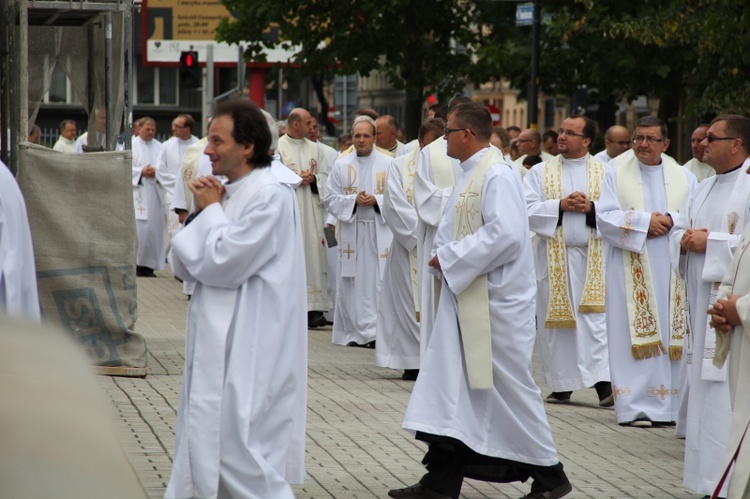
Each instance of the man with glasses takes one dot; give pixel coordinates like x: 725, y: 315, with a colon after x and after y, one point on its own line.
x: 530, y: 144
x: 170, y: 161
x: 475, y: 402
x: 696, y: 165
x: 562, y: 196
x: 616, y: 142
x: 646, y: 305
x: 704, y: 239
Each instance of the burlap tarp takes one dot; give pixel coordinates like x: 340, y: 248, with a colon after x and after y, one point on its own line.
x: 83, y: 226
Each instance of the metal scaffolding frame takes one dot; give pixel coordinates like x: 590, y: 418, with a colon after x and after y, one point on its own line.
x: 18, y: 15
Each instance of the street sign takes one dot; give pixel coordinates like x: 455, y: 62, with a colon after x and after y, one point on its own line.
x: 524, y: 14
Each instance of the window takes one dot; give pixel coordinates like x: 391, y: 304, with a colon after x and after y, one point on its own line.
x: 157, y: 86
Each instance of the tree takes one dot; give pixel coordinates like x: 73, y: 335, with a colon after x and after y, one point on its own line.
x: 421, y: 47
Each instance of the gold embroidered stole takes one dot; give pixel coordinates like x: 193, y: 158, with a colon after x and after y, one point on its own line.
x: 560, y: 311
x: 643, y: 316
x: 407, y: 182
x: 474, y: 301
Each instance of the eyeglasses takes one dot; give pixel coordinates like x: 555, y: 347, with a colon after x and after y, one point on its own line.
x: 649, y: 140
x: 711, y: 138
x: 447, y: 131
x: 560, y: 131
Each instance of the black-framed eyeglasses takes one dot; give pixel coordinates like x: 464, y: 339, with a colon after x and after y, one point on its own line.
x: 650, y: 140
x: 560, y: 131
x: 711, y: 138
x: 447, y: 131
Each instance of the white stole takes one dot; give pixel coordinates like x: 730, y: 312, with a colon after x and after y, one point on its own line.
x: 474, y: 301
x: 440, y: 165
x: 407, y: 182
x: 643, y: 317
x: 348, y: 230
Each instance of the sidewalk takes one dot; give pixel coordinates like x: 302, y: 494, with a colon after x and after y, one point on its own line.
x: 355, y: 444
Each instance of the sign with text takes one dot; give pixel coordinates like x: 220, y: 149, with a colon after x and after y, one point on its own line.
x: 171, y: 27
x: 525, y: 14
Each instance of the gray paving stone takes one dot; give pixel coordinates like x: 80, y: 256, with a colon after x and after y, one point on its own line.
x: 355, y: 444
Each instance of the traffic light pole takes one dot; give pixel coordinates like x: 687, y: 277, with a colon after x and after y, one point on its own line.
x: 208, y: 87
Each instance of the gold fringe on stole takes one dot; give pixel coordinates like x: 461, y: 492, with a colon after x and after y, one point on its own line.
x: 675, y: 352
x: 648, y: 351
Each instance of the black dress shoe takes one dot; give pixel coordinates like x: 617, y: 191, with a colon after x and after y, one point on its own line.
x: 410, y: 374
x: 416, y: 491
x: 556, y: 493
x: 371, y: 344
x: 315, y: 320
x: 559, y: 397
x: 141, y: 271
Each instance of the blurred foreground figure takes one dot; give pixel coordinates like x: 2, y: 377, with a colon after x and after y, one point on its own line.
x: 57, y: 439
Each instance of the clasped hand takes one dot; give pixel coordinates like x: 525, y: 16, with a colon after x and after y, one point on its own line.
x: 659, y: 225
x: 206, y: 191
x: 576, y: 201
x: 694, y: 240
x: 148, y: 171
x: 364, y: 199
x: 724, y: 314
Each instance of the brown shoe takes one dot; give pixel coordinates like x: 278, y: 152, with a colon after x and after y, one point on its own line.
x: 416, y: 491
x: 555, y: 493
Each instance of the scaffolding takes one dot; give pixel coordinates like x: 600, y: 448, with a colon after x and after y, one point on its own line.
x: 91, y: 40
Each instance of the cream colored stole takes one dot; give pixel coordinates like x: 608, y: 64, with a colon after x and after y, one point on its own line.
x: 189, y: 168
x: 560, y: 311
x: 407, y: 182
x: 348, y: 230
x: 643, y: 317
x: 474, y: 301
x: 350, y: 150
x: 440, y: 165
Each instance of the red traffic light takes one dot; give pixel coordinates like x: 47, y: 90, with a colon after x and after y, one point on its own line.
x: 189, y: 60
x: 190, y: 71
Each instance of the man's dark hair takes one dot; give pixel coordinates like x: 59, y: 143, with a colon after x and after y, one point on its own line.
x: 434, y: 126
x: 434, y: 107
x: 189, y: 121
x: 549, y: 134
x: 532, y: 160
x: 64, y: 123
x: 736, y: 126
x: 442, y: 112
x: 513, y: 128
x: 344, y: 137
x: 456, y: 100
x: 653, y: 121
x: 366, y: 111
x: 589, y: 126
x: 250, y: 128
x: 503, y: 135
x: 474, y: 116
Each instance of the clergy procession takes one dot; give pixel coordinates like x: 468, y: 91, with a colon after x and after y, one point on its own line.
x: 456, y: 262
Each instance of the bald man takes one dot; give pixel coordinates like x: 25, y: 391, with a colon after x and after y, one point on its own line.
x: 310, y: 161
x: 386, y: 135
x: 616, y: 142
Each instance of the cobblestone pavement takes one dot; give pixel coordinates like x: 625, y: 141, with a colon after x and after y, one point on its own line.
x: 355, y: 444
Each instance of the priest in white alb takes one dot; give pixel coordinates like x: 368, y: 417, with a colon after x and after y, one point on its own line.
x: 354, y: 195
x: 241, y: 419
x: 397, y: 345
x: 435, y: 176
x: 646, y: 305
x: 697, y: 165
x: 310, y: 161
x: 149, y: 198
x: 170, y: 161
x: 475, y: 402
x: 562, y: 196
x: 703, y: 241
x: 18, y: 290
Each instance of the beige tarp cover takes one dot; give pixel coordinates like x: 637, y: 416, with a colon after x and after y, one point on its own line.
x: 83, y: 226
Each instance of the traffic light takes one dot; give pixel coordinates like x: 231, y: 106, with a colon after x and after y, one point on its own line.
x: 190, y: 70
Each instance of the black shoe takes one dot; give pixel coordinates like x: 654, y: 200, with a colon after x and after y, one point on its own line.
x: 410, y: 374
x: 416, y: 491
x: 364, y: 345
x: 144, y: 271
x: 604, y: 391
x: 315, y: 320
x: 556, y: 493
x: 559, y: 398
x: 371, y: 344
